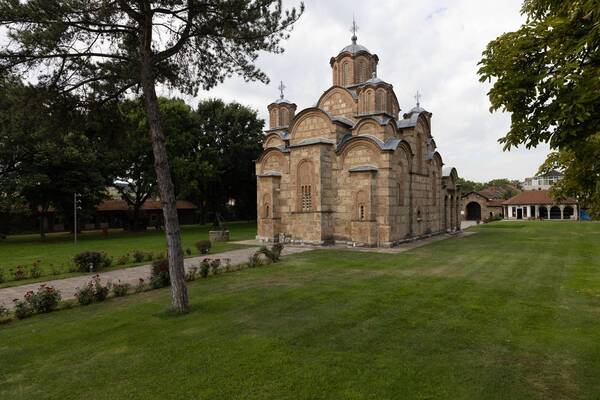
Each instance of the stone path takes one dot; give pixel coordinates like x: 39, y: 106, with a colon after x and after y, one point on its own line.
x: 68, y: 286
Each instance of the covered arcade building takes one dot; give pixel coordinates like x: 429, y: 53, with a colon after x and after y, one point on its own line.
x: 538, y: 204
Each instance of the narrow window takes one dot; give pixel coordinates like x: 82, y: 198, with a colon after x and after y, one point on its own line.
x: 346, y: 74
x: 361, y: 212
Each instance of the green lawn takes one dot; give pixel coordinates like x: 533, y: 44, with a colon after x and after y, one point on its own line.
x: 512, y: 312
x: 57, y: 251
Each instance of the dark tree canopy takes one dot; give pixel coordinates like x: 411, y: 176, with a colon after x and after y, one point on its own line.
x: 219, y: 165
x: 546, y: 74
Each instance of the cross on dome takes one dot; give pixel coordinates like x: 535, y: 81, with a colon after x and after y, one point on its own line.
x: 418, y: 98
x: 281, y: 88
x: 353, y: 29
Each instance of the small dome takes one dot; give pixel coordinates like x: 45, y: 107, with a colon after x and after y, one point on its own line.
x: 281, y: 100
x: 417, y: 109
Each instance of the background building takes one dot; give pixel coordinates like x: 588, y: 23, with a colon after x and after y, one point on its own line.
x: 541, y: 182
x: 538, y: 204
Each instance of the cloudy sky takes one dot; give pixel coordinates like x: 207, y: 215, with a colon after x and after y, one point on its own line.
x: 429, y: 45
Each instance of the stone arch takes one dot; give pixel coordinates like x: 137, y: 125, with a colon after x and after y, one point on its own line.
x: 367, y: 127
x: 305, y: 178
x: 273, y: 160
x: 368, y: 101
x: 365, y: 151
x: 273, y: 140
x: 337, y: 100
x: 311, y: 123
x: 473, y: 211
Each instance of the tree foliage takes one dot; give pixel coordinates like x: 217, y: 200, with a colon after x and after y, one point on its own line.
x: 219, y: 165
x: 546, y: 74
x: 581, y: 174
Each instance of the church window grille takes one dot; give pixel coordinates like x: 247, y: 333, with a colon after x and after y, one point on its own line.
x: 306, y: 192
x: 361, y: 212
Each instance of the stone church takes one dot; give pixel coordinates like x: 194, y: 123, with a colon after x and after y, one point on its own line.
x: 353, y: 169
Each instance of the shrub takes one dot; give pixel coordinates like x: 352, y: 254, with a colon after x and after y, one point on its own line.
x: 203, y: 246
x: 121, y: 289
x: 85, y: 295
x: 188, y: 251
x: 3, y: 311
x: 254, y: 260
x: 91, y: 261
x: 36, y: 271
x: 19, y: 273
x: 44, y: 300
x: 22, y: 309
x: 159, y: 277
x: 141, y: 286
x: 205, y: 267
x: 138, y: 256
x: 2, y: 278
x: 100, y: 292
x: 122, y: 260
x: 214, y: 266
x: 273, y: 254
x: 93, y: 291
x: 190, y: 275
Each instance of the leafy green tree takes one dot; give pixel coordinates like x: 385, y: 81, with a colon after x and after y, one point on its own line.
x: 581, y: 169
x: 546, y: 74
x: 220, y: 162
x: 48, y: 152
x: 136, y: 178
x: 107, y: 47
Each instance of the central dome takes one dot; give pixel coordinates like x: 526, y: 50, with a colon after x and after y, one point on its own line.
x: 354, y: 48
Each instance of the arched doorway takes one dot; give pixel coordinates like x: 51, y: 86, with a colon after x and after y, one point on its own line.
x: 555, y: 212
x: 543, y: 213
x: 568, y: 212
x: 473, y: 211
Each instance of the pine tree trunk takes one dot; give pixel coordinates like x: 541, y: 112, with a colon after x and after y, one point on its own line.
x: 179, y: 296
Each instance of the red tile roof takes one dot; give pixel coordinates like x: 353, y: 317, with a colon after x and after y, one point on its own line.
x: 536, y: 197
x: 121, y: 205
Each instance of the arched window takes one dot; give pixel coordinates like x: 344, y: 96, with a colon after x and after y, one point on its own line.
x: 283, y: 117
x: 368, y: 101
x: 400, y: 195
x: 362, y: 72
x: 380, y: 101
x: 266, y: 206
x: 274, y: 118
x: 419, y: 158
x: 336, y: 78
x: 305, y: 186
x: 346, y: 73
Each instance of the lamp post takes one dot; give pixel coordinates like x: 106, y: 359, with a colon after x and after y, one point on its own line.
x: 76, y: 206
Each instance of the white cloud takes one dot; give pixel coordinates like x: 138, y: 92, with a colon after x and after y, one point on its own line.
x: 431, y: 45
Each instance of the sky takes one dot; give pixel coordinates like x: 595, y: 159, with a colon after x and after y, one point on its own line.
x: 432, y: 46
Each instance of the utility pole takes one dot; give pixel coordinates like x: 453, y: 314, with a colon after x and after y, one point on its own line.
x: 76, y: 202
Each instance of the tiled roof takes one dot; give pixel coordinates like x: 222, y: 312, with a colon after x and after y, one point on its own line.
x: 121, y: 205
x: 536, y: 197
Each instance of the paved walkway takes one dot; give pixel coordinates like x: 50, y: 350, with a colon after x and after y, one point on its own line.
x: 68, y: 286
